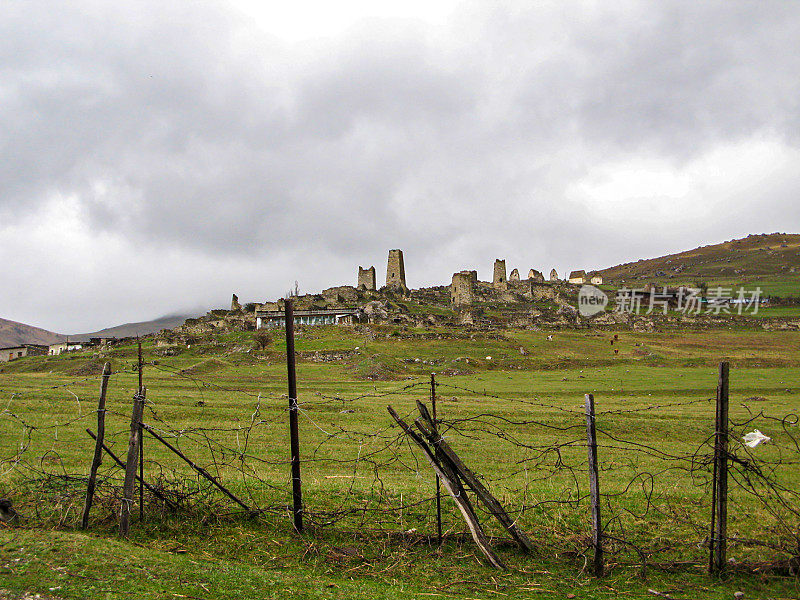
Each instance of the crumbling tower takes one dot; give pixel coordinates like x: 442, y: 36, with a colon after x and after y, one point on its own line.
x: 514, y: 275
x: 499, y: 279
x: 396, y: 270
x: 235, y: 303
x: 462, y: 290
x: 366, y: 278
x: 535, y: 275
x: 553, y: 275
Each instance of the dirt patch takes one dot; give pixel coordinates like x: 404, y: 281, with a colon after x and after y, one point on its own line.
x: 88, y: 368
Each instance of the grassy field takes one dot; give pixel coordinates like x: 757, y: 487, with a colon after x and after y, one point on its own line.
x: 512, y: 406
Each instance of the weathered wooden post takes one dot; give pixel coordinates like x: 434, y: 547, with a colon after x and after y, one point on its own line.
x: 294, y: 435
x: 141, y: 441
x: 719, y: 491
x: 130, y: 465
x: 438, y: 481
x: 594, y: 485
x: 98, y: 447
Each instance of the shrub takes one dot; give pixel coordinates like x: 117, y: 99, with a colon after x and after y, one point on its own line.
x: 262, y: 339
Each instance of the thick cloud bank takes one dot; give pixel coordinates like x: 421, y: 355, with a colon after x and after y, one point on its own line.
x: 157, y: 158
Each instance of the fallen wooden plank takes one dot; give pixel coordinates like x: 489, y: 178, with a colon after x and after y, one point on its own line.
x: 457, y: 492
x: 492, y: 504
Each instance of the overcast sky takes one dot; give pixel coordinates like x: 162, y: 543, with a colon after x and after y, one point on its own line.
x: 158, y: 156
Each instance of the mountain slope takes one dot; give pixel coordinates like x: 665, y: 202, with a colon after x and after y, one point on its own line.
x: 134, y: 329
x: 771, y: 259
x: 13, y: 334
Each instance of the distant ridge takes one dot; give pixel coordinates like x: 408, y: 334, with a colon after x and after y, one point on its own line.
x: 134, y: 329
x: 15, y: 334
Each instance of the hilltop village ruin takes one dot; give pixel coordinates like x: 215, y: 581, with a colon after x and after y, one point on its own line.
x: 466, y: 301
x: 506, y: 301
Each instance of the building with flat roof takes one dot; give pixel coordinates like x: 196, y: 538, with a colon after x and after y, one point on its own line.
x: 319, y: 316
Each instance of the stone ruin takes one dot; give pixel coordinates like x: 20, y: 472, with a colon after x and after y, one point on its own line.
x: 366, y: 279
x: 535, y: 275
x: 499, y: 279
x: 501, y: 302
x: 396, y: 270
x: 462, y: 289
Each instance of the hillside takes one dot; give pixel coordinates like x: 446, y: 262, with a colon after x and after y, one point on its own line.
x: 769, y: 260
x: 13, y: 333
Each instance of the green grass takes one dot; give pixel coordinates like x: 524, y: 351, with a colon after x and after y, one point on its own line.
x: 655, y: 392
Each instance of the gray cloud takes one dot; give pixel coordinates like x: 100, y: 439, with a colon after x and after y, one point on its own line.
x: 187, y: 130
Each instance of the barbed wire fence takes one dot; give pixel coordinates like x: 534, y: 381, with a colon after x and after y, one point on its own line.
x: 361, y: 473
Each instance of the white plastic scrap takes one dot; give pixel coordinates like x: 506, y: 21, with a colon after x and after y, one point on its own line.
x: 754, y: 438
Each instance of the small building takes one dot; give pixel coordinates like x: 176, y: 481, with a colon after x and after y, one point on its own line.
x: 67, y: 346
x: 577, y: 277
x: 320, y: 316
x: 596, y: 279
x: 9, y: 353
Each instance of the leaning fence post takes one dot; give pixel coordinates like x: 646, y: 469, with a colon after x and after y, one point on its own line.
x: 294, y: 441
x: 130, y: 464
x: 98, y: 448
x: 719, y: 500
x: 594, y: 485
x: 438, y: 481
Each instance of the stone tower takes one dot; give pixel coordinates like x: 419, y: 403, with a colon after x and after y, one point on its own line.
x: 366, y: 278
x: 553, y: 275
x: 514, y: 275
x: 462, y: 290
x: 235, y: 303
x: 396, y: 270
x: 535, y: 275
x: 499, y: 279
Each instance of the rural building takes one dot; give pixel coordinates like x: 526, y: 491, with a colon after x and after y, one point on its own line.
x: 320, y: 316
x: 9, y: 353
x: 596, y: 279
x: 577, y: 277
x: 68, y: 346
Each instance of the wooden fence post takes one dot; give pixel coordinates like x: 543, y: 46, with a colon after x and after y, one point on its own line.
x: 130, y: 464
x: 141, y: 441
x: 98, y: 448
x: 438, y: 480
x: 294, y: 435
x: 719, y: 495
x: 594, y: 485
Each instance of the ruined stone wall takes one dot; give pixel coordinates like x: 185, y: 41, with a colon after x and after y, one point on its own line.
x: 499, y: 279
x: 462, y: 289
x: 343, y: 294
x: 535, y: 275
x: 235, y: 303
x: 553, y: 275
x: 366, y: 278
x: 514, y: 275
x: 396, y: 270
